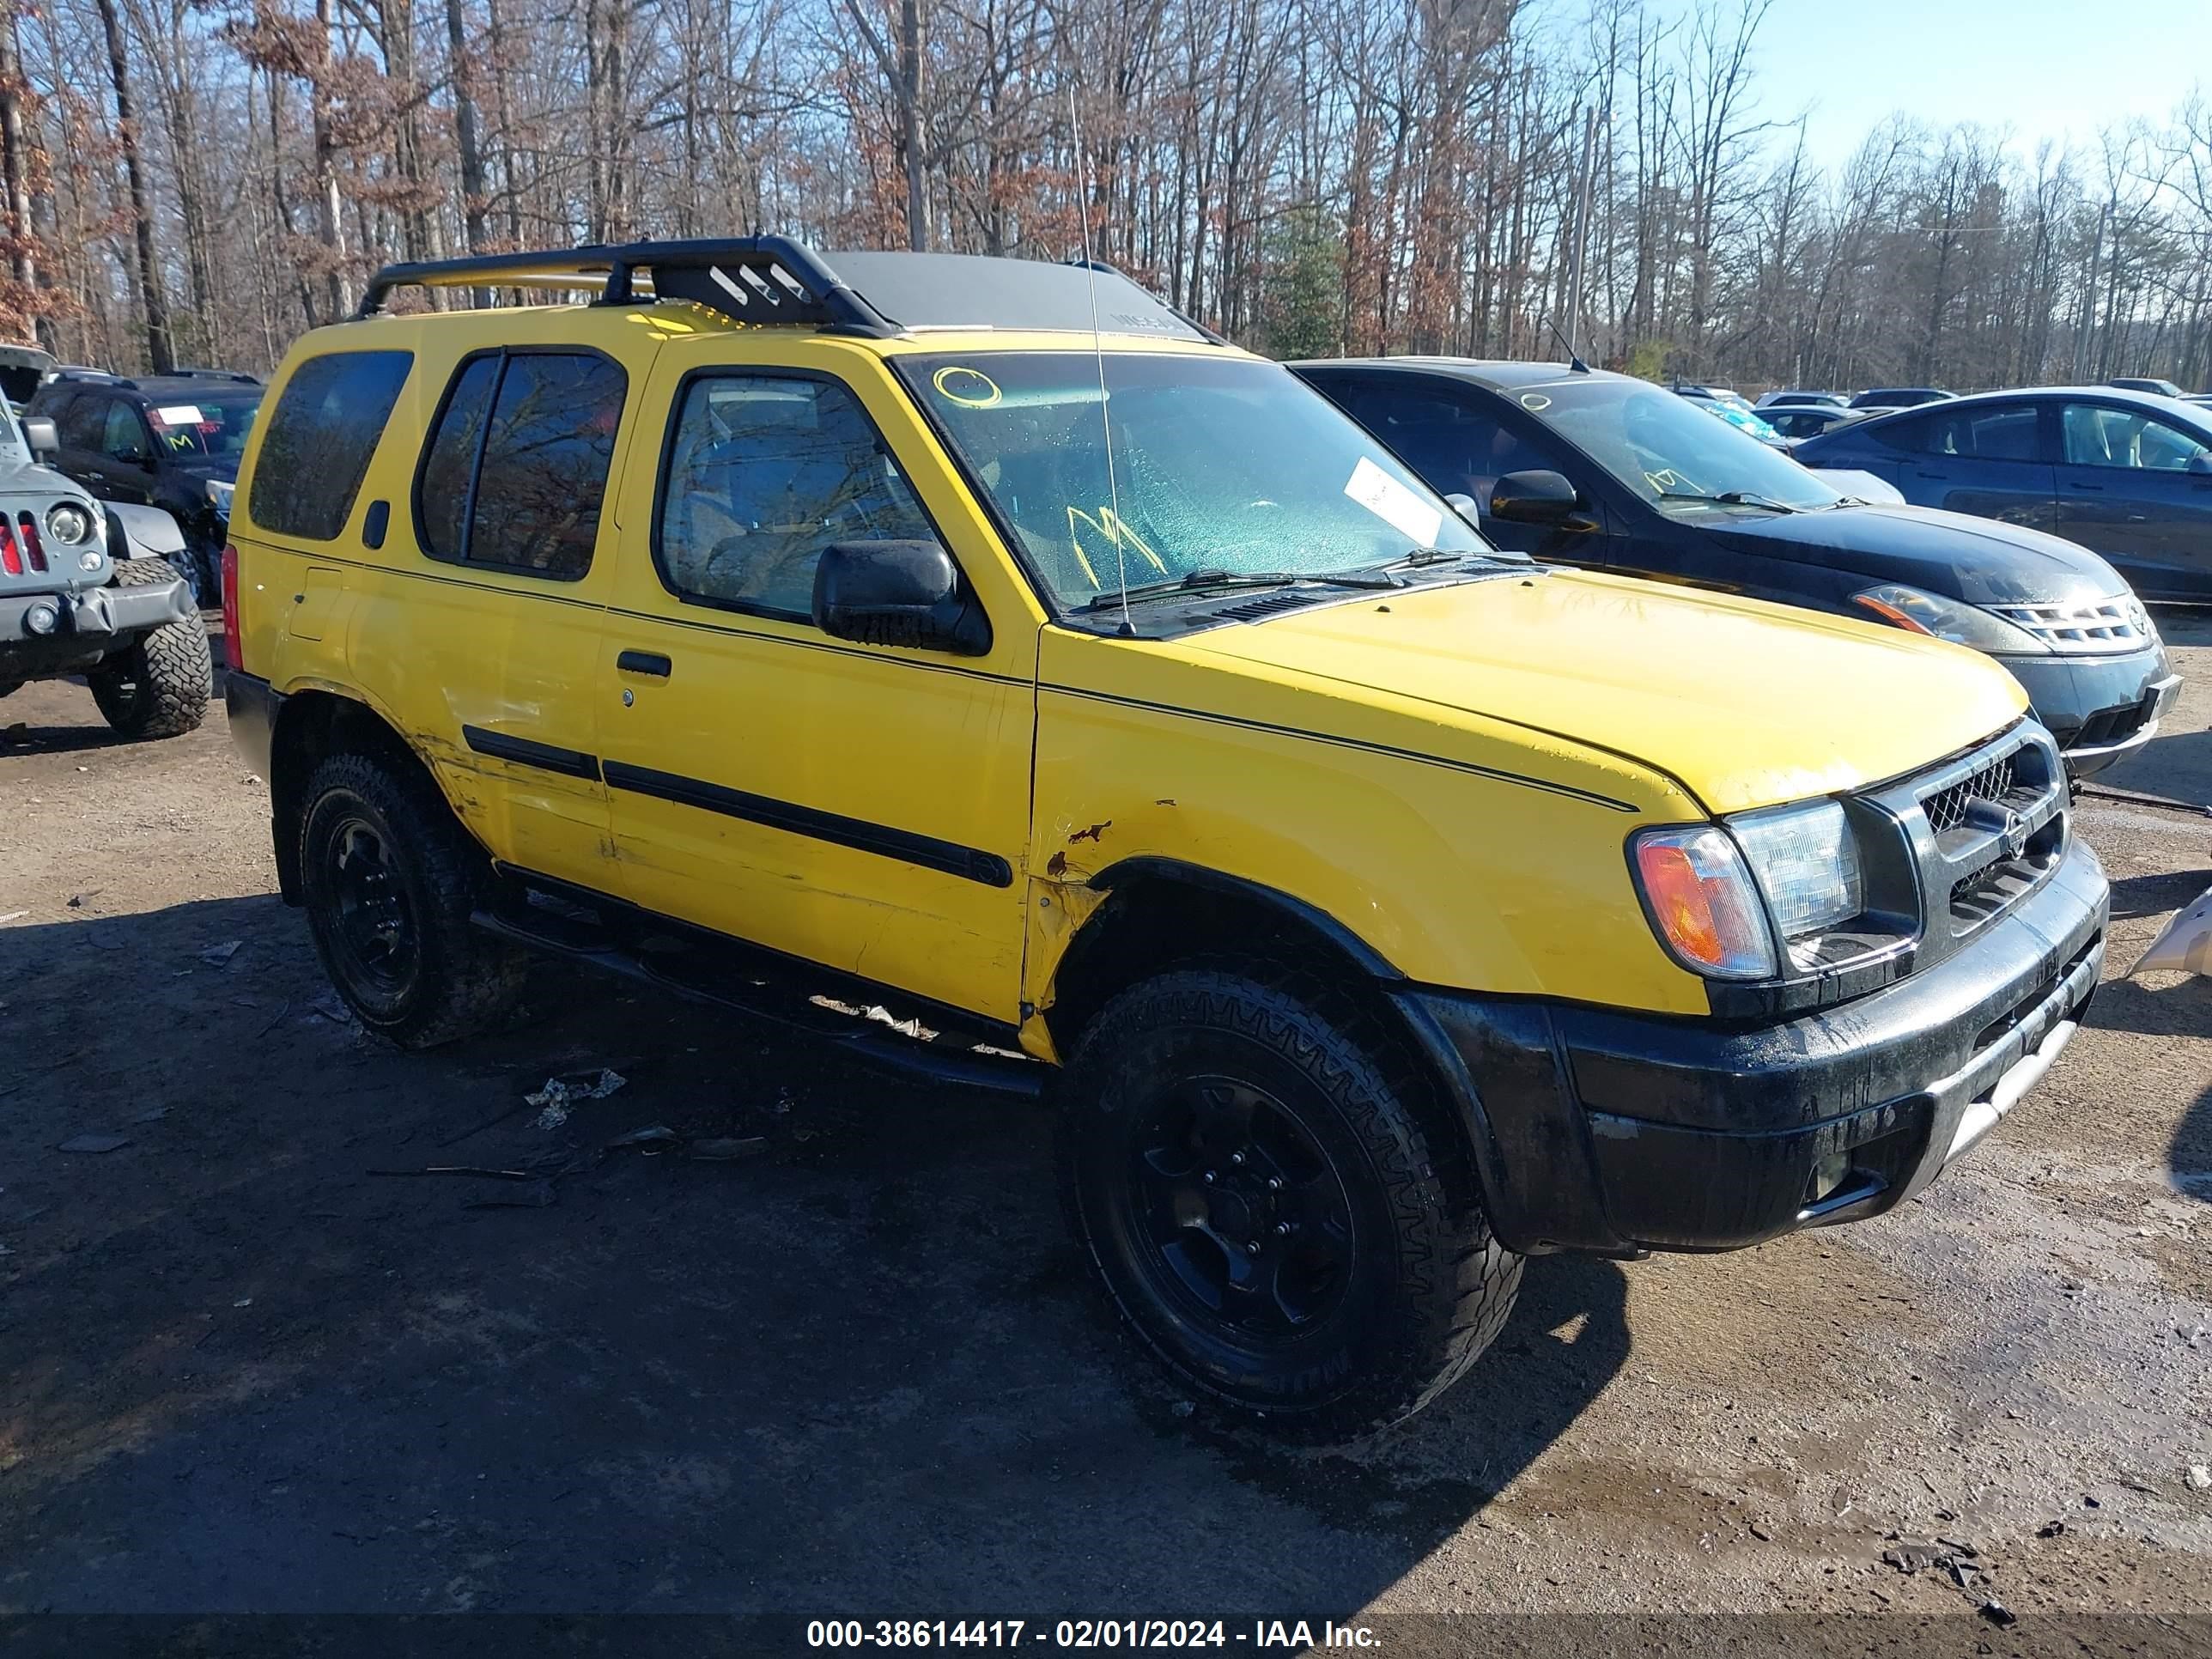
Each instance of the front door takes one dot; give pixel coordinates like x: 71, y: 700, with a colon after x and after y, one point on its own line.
x: 2126, y: 490
x: 859, y: 806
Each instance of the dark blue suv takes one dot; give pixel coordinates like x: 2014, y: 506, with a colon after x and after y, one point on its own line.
x: 1574, y: 467
x: 2128, y: 474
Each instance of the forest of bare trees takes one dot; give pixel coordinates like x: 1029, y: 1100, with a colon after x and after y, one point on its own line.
x: 194, y: 181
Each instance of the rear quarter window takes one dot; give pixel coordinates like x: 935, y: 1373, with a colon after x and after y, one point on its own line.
x: 514, y: 471
x: 316, y: 448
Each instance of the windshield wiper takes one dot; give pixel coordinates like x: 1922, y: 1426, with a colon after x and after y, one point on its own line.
x: 1212, y: 576
x: 1729, y: 498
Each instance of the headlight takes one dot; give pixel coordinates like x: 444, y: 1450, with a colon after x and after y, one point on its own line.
x: 69, y: 523
x: 1806, y: 860
x: 1710, y: 889
x: 219, y: 494
x: 1948, y: 619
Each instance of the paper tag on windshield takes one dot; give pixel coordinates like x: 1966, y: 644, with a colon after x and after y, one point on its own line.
x: 1396, y: 505
x: 180, y: 414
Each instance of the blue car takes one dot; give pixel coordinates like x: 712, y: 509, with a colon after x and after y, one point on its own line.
x: 2126, y: 474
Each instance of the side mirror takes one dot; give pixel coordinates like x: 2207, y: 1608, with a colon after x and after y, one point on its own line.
x: 898, y: 594
x: 39, y: 432
x: 1537, y: 497
x: 2200, y: 464
x: 1467, y: 507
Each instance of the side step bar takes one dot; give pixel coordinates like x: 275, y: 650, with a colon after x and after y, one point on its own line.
x: 863, y: 1039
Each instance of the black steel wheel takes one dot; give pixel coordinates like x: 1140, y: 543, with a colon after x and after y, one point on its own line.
x: 389, y: 880
x: 1235, y: 1210
x: 1247, y: 1168
x: 375, y: 933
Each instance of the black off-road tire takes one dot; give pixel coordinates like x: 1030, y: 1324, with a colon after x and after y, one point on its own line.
x: 447, y: 980
x: 160, y: 686
x: 1425, y: 1286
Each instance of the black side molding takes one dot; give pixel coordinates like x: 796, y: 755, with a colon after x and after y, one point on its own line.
x: 970, y: 863
x: 545, y: 756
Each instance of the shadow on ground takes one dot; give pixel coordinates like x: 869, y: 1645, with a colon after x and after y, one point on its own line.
x: 860, y: 1375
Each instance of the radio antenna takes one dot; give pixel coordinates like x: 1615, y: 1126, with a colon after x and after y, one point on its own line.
x: 1098, y: 348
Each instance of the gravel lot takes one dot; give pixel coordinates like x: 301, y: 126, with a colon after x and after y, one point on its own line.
x: 860, y: 1375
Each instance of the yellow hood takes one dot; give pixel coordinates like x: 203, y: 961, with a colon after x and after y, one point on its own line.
x: 1747, y: 704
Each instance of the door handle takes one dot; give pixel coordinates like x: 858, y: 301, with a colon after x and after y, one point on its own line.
x: 2092, y: 489
x: 644, y: 662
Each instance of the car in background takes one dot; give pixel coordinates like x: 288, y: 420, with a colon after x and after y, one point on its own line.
x: 22, y: 368
x: 171, y: 441
x: 1732, y: 407
x: 2128, y: 474
x: 1899, y: 397
x: 2139, y: 383
x: 1793, y: 422
x: 1798, y: 400
x: 1573, y: 466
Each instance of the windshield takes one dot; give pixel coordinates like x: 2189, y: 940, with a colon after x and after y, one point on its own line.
x: 1663, y: 447
x: 1223, y: 464
x: 205, y: 428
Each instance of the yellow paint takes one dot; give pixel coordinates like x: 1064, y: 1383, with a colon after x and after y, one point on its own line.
x: 1450, y: 773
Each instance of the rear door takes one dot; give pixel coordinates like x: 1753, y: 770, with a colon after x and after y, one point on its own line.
x: 1992, y: 460
x: 2125, y: 490
x: 864, y: 807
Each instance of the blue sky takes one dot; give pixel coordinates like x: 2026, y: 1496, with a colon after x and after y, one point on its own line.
x: 2042, y: 67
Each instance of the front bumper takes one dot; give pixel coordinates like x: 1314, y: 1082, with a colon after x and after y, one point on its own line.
x: 1612, y: 1131
x: 87, y: 625
x: 2101, y: 709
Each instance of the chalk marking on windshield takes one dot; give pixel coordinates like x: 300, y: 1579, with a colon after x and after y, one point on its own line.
x: 1118, y: 533
x: 1392, y: 502
x: 985, y: 399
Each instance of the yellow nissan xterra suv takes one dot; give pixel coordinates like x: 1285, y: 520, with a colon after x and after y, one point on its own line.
x: 982, y: 640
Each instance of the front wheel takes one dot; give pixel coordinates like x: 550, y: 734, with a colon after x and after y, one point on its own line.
x: 159, y: 686
x: 1262, y: 1202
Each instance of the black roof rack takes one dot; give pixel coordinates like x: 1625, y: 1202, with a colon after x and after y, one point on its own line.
x: 238, y: 375
x: 757, y: 279
x: 769, y: 279
x: 91, y: 377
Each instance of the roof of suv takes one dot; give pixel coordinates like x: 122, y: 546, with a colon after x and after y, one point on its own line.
x: 770, y: 280
x: 1499, y: 374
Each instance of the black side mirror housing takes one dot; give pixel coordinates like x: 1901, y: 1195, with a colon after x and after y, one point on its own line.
x: 2200, y: 464
x: 906, y: 594
x: 1539, y: 497
x: 39, y: 433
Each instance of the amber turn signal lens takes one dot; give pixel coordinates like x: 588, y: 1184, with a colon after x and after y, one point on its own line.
x: 1703, y: 904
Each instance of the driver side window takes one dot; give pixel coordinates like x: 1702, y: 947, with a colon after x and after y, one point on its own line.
x: 763, y: 472
x: 1458, y: 448
x: 2098, y: 434
x: 123, y: 437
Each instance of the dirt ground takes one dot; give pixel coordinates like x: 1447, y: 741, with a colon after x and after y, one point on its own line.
x: 861, y: 1377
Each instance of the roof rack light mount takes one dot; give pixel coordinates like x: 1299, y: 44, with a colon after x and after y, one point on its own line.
x: 757, y: 279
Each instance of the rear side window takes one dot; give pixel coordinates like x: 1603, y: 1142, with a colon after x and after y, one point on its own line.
x: 317, y: 448
x: 515, y: 469
x: 2007, y: 432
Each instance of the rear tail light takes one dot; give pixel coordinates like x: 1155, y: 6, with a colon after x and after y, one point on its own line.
x: 11, y: 559
x: 34, y: 547
x: 231, y: 659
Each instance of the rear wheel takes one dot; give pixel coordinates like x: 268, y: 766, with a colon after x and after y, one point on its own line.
x: 1260, y: 1199
x: 158, y: 687
x: 389, y: 879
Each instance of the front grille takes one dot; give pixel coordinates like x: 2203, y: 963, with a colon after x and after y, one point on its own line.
x: 2102, y: 625
x: 1998, y: 824
x: 1947, y: 809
